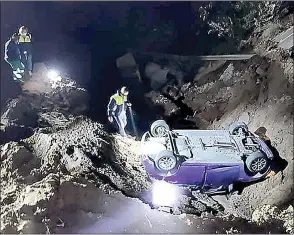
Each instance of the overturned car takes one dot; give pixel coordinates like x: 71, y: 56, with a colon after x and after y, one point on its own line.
x: 211, y: 161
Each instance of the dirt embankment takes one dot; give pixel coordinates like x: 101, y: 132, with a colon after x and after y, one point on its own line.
x: 70, y: 176
x: 42, y: 175
x: 75, y: 178
x: 258, y: 92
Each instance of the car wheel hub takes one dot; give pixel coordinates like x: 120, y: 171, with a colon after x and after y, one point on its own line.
x: 258, y: 165
x: 166, y: 163
x: 160, y: 131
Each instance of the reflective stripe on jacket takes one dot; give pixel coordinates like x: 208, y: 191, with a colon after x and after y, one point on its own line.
x: 11, y: 51
x: 116, y: 105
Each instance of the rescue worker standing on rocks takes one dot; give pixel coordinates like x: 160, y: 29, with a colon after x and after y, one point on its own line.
x: 117, y: 109
x: 13, y: 57
x: 25, y: 46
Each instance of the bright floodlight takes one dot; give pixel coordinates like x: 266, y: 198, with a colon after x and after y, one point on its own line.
x: 53, y: 74
x: 164, y: 194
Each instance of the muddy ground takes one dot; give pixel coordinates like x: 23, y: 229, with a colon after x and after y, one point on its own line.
x: 63, y: 173
x: 78, y: 179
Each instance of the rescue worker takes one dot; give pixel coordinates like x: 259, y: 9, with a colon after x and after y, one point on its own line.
x: 261, y: 132
x: 25, y: 46
x: 12, y: 56
x: 278, y: 163
x: 116, y: 109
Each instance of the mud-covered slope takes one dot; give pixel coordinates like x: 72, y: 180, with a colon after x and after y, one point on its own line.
x: 65, y: 161
x: 49, y: 174
x: 69, y: 175
x: 76, y: 179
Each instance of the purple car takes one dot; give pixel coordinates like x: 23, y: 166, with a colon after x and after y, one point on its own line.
x: 211, y: 161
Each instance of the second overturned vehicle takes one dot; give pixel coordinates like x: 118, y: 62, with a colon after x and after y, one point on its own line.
x: 211, y: 161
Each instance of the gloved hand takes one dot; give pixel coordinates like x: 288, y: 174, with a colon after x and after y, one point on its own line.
x: 110, y: 119
x: 129, y: 104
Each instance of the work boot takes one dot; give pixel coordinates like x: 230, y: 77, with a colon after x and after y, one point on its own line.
x: 19, y: 80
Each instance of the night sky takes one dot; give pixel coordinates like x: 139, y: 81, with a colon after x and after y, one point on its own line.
x: 84, y: 38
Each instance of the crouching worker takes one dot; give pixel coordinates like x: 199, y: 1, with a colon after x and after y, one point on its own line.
x: 117, y: 110
x: 13, y: 57
x: 278, y: 163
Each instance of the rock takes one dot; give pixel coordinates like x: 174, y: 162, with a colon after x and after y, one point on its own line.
x: 270, y: 32
x: 267, y: 213
x: 228, y: 73
x: 13, y: 132
x: 186, y: 86
x: 262, y: 69
x: 19, y: 111
x: 264, y: 214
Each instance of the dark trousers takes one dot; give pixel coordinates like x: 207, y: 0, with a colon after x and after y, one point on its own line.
x: 27, y: 60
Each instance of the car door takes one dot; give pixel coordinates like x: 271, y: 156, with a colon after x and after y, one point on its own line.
x: 220, y: 177
x: 189, y: 174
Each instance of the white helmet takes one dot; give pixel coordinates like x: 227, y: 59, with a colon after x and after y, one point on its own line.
x: 23, y: 31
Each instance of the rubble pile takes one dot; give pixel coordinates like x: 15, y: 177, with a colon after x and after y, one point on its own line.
x: 267, y: 213
x: 41, y: 97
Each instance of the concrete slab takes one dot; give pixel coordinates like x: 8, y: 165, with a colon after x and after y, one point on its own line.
x: 284, y: 34
x: 287, y: 43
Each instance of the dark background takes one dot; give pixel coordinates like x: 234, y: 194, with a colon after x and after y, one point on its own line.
x: 84, y: 38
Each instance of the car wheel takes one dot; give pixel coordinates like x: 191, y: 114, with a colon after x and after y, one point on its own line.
x: 257, y: 162
x: 234, y: 128
x: 159, y: 128
x: 166, y: 163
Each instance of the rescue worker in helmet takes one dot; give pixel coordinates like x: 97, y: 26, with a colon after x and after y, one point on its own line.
x: 13, y: 57
x: 116, y: 109
x: 25, y: 46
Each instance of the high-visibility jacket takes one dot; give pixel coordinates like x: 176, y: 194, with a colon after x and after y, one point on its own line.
x: 117, y: 104
x: 24, y: 39
x: 25, y: 43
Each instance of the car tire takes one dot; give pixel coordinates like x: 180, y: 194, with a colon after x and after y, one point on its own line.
x: 257, y: 162
x: 233, y: 129
x: 159, y: 128
x: 166, y: 163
